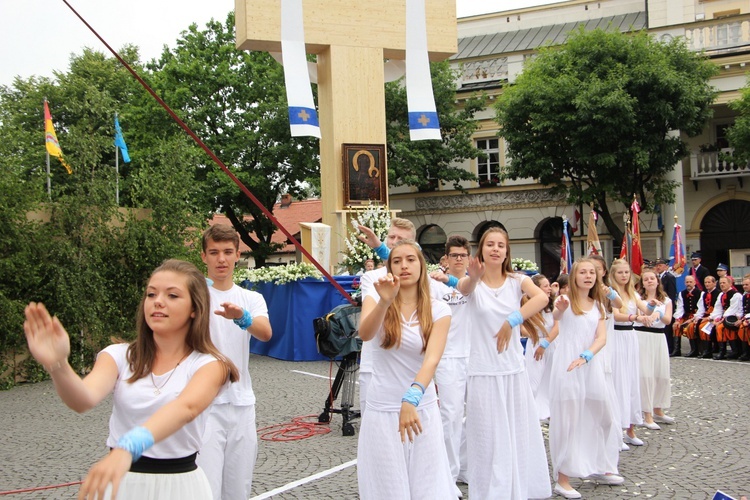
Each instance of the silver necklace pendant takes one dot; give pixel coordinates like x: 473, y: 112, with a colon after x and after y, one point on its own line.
x: 157, y: 392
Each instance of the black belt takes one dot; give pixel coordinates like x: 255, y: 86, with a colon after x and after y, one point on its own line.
x: 624, y: 327
x: 648, y: 329
x: 148, y: 465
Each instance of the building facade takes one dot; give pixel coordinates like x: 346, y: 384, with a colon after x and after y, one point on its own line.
x: 713, y: 201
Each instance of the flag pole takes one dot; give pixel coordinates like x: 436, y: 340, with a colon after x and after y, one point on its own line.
x: 117, y: 175
x: 49, y: 184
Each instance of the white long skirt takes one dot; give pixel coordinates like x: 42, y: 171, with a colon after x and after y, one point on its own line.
x: 625, y: 356
x: 656, y: 390
x: 186, y: 485
x: 388, y: 468
x: 538, y: 373
x: 507, y: 458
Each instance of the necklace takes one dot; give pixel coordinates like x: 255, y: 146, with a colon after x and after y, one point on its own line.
x: 157, y: 389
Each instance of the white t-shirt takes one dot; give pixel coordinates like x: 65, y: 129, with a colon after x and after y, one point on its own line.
x: 489, y: 309
x: 395, y: 368
x: 134, y: 403
x: 234, y: 342
x: 457, y: 345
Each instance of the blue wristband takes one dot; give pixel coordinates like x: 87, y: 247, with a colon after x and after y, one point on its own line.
x: 412, y: 396
x: 587, y: 355
x: 452, y: 281
x: 544, y: 343
x: 515, y: 319
x: 612, y: 295
x: 136, y: 441
x: 650, y: 307
x: 245, y: 321
x: 382, y: 251
x: 418, y: 385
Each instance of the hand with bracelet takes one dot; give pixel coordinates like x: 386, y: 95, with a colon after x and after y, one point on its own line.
x: 408, y: 418
x: 503, y: 335
x: 236, y: 313
x: 581, y: 360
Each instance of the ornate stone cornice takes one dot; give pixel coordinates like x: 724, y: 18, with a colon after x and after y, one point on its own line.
x: 487, y: 201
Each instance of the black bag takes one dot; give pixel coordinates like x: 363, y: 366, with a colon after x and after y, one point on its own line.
x: 337, y: 333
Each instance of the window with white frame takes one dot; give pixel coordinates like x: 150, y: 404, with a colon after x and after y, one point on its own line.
x: 488, y: 168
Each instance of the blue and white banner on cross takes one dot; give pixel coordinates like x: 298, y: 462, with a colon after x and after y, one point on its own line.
x: 423, y: 119
x: 303, y: 118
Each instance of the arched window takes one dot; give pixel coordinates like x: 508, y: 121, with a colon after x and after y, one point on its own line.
x: 483, y: 227
x: 724, y: 227
x: 550, y: 238
x: 432, y: 240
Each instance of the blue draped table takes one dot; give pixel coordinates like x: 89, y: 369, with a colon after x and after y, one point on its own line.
x: 291, y: 309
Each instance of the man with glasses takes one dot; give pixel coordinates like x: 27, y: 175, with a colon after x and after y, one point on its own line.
x: 451, y: 373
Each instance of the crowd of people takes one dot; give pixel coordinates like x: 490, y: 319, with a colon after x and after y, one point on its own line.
x: 443, y: 371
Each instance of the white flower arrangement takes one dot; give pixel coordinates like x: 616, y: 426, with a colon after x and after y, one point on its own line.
x: 523, y: 265
x: 278, y: 275
x: 377, y: 218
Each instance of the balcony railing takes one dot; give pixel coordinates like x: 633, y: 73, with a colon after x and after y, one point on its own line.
x: 719, y: 35
x: 714, y: 165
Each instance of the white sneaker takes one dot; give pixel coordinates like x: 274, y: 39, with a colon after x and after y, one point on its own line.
x: 653, y: 426
x: 664, y: 419
x: 624, y: 447
x: 566, y: 493
x: 635, y: 441
x: 611, y: 479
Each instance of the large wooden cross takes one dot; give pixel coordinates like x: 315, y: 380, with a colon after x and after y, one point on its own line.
x: 351, y: 39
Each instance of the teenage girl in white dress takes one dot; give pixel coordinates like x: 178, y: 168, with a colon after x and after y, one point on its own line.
x: 401, y: 453
x: 656, y: 391
x: 625, y: 350
x: 539, y: 353
x: 161, y: 382
x: 507, y: 458
x: 584, y: 435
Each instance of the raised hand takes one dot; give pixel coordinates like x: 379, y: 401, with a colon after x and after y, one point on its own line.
x: 109, y: 470
x: 368, y: 237
x: 439, y: 276
x: 562, y: 303
x: 48, y: 341
x: 388, y: 287
x: 231, y: 311
x: 475, y: 269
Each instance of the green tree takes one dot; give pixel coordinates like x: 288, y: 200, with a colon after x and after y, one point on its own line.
x: 739, y: 133
x: 236, y: 103
x: 592, y: 118
x: 424, y: 163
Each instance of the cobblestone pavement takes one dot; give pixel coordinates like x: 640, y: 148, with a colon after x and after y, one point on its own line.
x: 44, y: 443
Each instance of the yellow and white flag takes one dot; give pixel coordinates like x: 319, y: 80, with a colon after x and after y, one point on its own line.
x: 53, y: 147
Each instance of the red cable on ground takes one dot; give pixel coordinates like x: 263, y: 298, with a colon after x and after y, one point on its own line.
x: 216, y: 160
x: 39, y: 488
x: 297, y: 429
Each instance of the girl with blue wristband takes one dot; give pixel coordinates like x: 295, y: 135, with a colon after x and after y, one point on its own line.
x: 584, y: 435
x: 161, y: 383
x: 401, y: 453
x: 507, y: 458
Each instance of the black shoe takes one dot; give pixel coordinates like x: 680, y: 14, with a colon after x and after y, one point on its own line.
x: 733, y: 355
x: 692, y: 354
x: 720, y: 356
x: 706, y: 355
x: 745, y: 357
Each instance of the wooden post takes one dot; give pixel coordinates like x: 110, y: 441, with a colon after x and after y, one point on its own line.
x: 351, y: 39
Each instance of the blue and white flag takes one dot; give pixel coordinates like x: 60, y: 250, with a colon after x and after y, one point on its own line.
x: 423, y: 118
x: 303, y: 118
x: 120, y: 141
